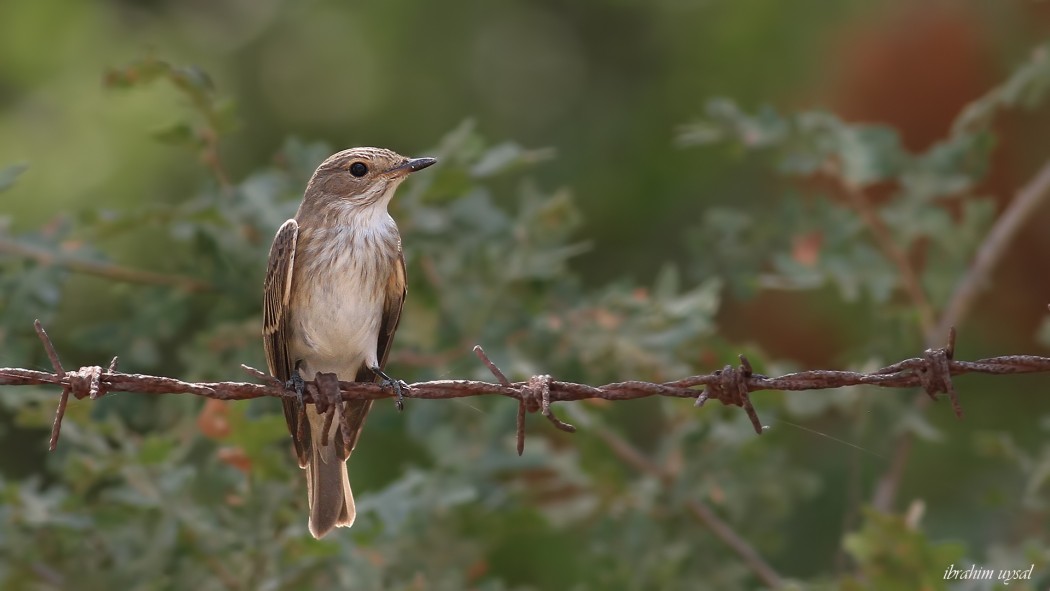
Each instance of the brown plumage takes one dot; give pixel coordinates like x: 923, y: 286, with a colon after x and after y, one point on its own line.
x: 332, y: 300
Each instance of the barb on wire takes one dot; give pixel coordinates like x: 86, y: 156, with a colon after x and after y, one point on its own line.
x: 732, y: 386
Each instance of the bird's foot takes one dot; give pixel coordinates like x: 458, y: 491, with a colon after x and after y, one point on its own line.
x: 396, y: 385
x: 297, y: 385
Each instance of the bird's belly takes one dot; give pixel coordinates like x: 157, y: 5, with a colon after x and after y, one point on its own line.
x: 336, y: 326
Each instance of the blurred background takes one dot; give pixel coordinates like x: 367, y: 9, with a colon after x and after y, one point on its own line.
x: 626, y: 191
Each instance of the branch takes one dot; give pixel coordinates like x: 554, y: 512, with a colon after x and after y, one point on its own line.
x: 884, y: 239
x: 632, y: 456
x: 99, y: 269
x: 1027, y: 200
x: 730, y: 385
x: 993, y: 249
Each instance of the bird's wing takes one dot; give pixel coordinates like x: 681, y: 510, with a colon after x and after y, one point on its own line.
x: 277, y: 291
x: 397, y: 288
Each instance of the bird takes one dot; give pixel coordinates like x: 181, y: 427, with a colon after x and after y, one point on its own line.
x: 332, y: 298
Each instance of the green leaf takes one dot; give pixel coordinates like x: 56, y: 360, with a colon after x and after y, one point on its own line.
x: 893, y: 554
x: 869, y: 154
x: 224, y: 117
x: 811, y: 145
x: 911, y: 219
x: 701, y: 133
x: 949, y: 167
x: 9, y: 174
x: 193, y: 79
x: 1026, y: 87
x: 726, y: 121
x: 155, y: 449
x: 176, y: 134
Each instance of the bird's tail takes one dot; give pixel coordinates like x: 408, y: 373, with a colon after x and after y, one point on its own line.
x: 331, y: 500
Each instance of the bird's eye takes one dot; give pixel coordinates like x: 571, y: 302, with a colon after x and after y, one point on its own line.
x: 358, y: 169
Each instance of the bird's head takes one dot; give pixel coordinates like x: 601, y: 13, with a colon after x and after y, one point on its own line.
x: 362, y: 176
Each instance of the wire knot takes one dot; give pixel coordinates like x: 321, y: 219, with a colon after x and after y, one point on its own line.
x: 536, y: 394
x: 935, y: 376
x: 732, y: 389
x: 86, y: 382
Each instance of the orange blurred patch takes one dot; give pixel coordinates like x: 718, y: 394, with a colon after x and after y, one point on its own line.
x: 372, y: 556
x: 235, y: 456
x: 912, y: 65
x: 805, y: 249
x: 213, y: 420
x: 554, y: 322
x: 606, y: 319
x: 477, y: 570
x: 707, y: 358
x: 717, y: 495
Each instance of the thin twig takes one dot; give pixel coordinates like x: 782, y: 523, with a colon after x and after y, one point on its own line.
x: 991, y: 252
x: 632, y: 456
x: 99, y: 269
x: 213, y: 162
x: 884, y: 239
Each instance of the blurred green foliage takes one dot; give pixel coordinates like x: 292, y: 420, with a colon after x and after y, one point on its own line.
x: 156, y: 254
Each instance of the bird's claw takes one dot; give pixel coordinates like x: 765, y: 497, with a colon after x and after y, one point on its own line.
x: 399, y: 397
x: 396, y: 385
x: 298, y: 385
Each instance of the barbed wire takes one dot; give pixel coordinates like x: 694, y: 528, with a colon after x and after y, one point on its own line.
x: 932, y: 372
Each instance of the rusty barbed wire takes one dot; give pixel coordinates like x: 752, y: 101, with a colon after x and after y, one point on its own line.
x: 932, y: 372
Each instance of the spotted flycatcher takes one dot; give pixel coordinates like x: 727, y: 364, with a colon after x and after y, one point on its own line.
x: 332, y: 299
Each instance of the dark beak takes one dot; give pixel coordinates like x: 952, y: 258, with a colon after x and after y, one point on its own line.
x: 415, y: 164
x: 412, y: 165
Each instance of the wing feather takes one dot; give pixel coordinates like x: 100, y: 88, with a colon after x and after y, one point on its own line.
x: 397, y: 289
x: 277, y: 290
